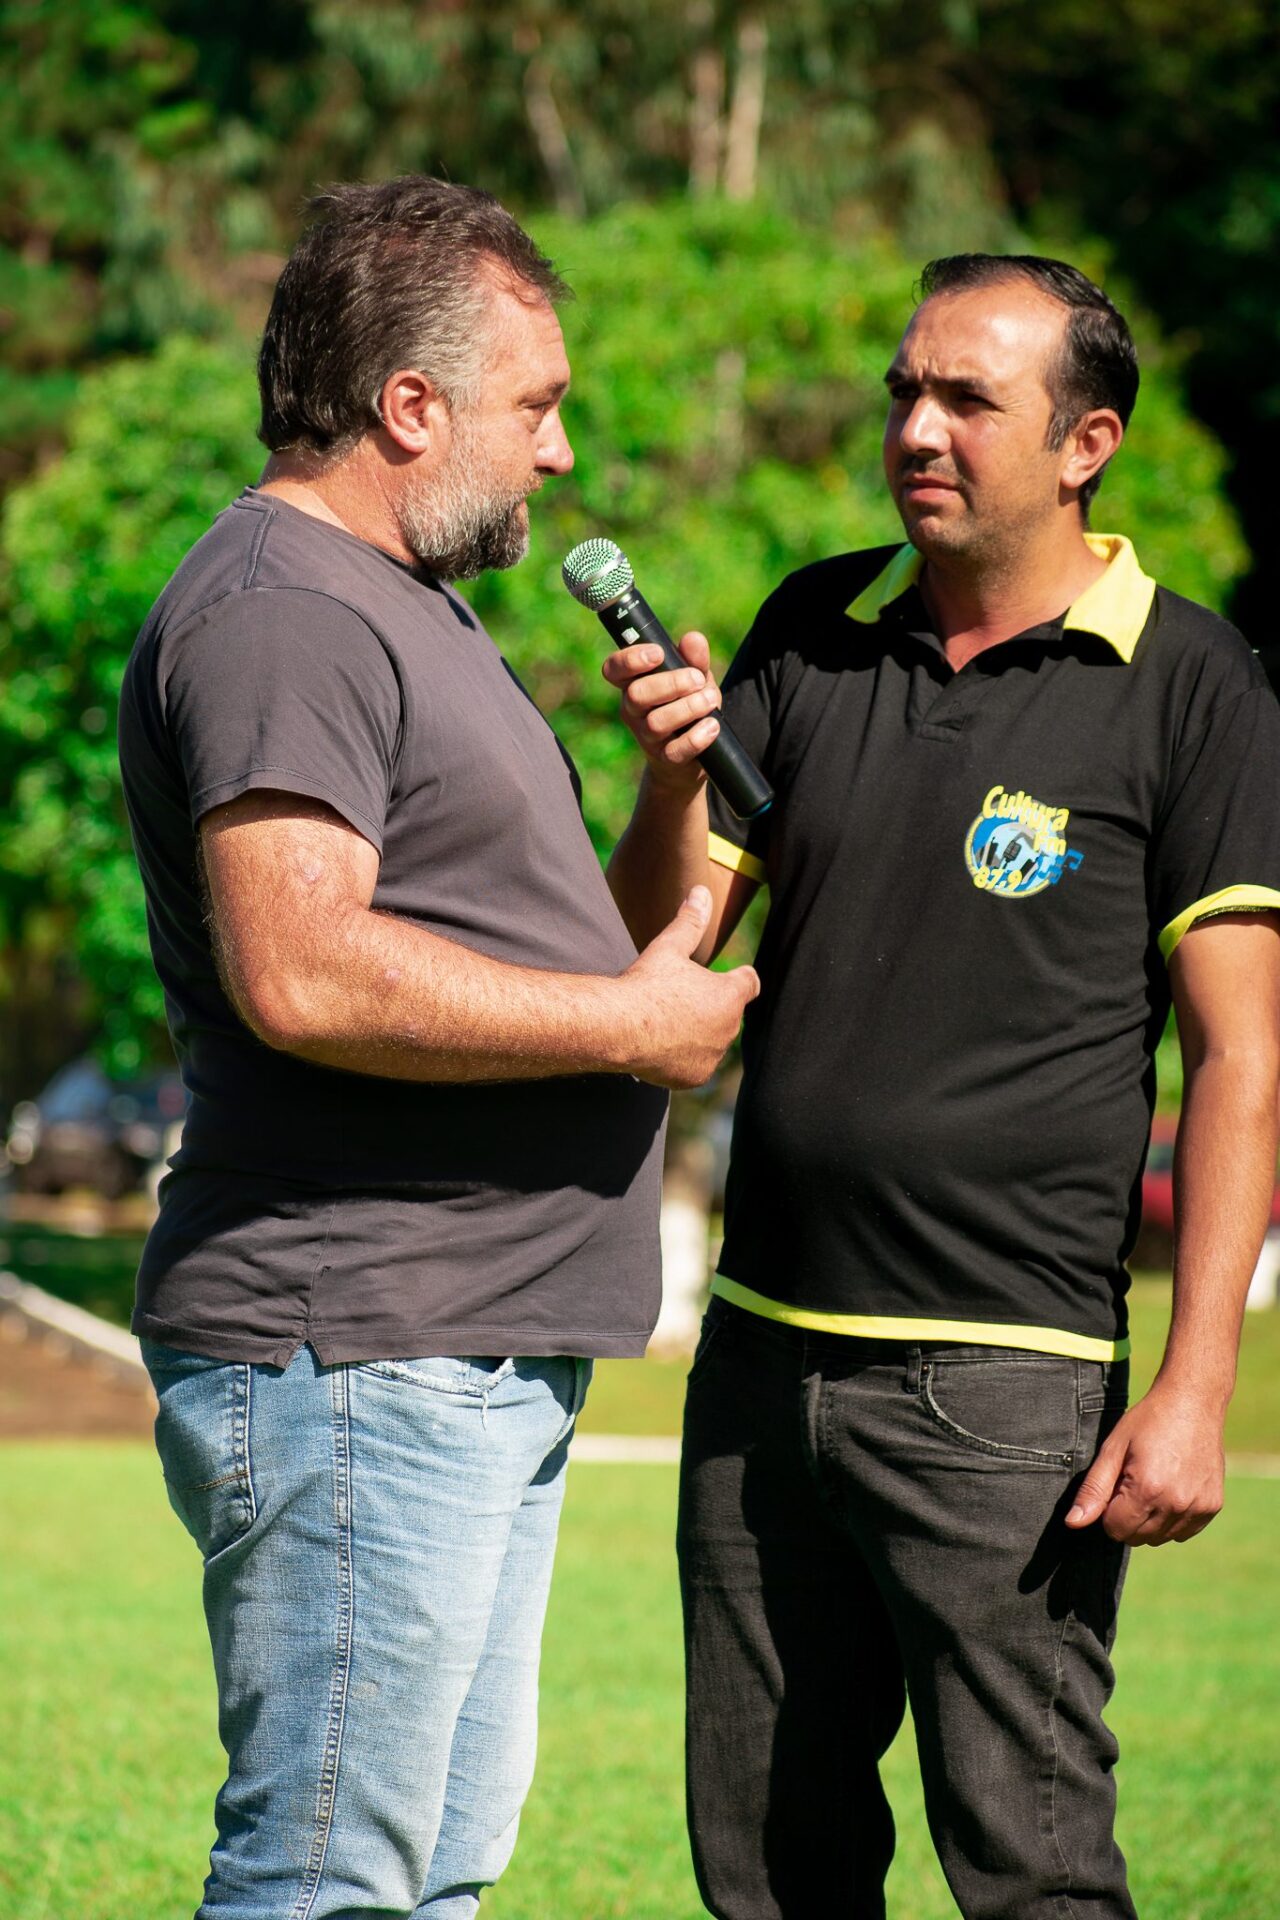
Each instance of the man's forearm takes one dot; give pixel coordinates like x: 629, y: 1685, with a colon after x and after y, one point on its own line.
x: 1159, y: 1474
x: 1224, y: 1177
x: 377, y: 995
x: 660, y: 856
x: 381, y: 997
x: 313, y: 970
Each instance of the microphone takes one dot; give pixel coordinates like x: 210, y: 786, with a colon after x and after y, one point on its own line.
x: 598, y: 574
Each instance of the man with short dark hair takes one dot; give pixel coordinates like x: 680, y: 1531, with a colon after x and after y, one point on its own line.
x: 1025, y: 798
x: 417, y: 1189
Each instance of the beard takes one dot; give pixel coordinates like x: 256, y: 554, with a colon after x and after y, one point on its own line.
x: 463, y: 522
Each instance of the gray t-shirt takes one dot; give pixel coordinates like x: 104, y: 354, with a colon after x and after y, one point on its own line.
x: 376, y: 1218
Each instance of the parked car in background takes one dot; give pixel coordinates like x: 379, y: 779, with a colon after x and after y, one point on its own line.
x: 1157, y: 1176
x: 86, y: 1130
x: 1155, y: 1235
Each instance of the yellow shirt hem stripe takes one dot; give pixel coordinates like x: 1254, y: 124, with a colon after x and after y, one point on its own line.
x: 968, y: 1333
x: 1228, y: 900
x: 725, y: 854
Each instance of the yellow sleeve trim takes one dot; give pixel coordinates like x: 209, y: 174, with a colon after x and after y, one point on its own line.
x: 1229, y: 900
x: 725, y: 854
x: 966, y: 1333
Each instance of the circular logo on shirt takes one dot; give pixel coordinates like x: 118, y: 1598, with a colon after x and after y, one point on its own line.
x: 1017, y: 845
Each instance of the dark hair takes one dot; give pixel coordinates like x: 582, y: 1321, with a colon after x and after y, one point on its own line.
x: 1096, y: 366
x: 384, y: 277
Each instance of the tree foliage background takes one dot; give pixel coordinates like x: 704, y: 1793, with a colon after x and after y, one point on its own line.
x: 741, y: 197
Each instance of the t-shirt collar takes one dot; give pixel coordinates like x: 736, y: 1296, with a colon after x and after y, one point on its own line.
x: 1115, y: 607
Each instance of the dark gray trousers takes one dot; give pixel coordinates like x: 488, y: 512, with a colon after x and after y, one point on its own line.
x: 861, y: 1520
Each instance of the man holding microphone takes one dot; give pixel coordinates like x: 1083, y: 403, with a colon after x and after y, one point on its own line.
x: 417, y: 1191
x: 1026, y: 798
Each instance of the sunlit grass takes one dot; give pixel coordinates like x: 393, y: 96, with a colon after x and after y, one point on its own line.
x: 109, y: 1761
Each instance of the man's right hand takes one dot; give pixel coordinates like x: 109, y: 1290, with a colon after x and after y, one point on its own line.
x: 685, y: 1016
x: 658, y: 705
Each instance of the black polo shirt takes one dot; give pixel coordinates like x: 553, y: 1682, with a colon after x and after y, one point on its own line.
x: 976, y: 880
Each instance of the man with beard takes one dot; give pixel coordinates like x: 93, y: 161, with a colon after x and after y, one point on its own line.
x: 418, y: 1184
x: 1025, y: 798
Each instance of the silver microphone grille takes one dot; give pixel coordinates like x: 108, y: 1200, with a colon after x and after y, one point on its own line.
x: 596, y: 572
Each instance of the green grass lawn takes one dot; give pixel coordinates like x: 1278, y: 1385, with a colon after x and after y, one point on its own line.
x: 108, y: 1757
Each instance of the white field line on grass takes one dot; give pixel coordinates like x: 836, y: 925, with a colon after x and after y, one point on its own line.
x: 1254, y: 1466
x: 626, y: 1449
x: 649, y: 1449
x: 97, y: 1336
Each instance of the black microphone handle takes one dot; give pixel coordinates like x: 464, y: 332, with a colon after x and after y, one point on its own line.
x: 630, y: 619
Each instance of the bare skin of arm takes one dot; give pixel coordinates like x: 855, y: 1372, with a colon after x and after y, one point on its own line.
x: 313, y: 970
x: 1159, y: 1476
x: 664, y: 850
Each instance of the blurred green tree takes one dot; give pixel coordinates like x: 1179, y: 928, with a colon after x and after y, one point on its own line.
x: 157, y: 448
x: 1156, y: 125
x: 727, y: 429
x: 154, y: 154
x: 95, y: 101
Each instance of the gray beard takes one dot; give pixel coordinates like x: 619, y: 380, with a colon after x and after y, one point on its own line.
x: 460, y: 528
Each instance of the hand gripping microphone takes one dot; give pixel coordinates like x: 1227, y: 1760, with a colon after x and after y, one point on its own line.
x: 599, y: 574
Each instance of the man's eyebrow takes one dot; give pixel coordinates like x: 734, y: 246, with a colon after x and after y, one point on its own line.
x: 971, y: 382
x: 959, y: 380
x: 545, y: 396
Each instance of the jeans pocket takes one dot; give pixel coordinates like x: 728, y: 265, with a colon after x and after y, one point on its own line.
x: 1100, y: 1413
x: 473, y: 1376
x: 714, y: 1321
x: 1104, y: 1388
x: 1016, y: 1407
x: 202, y: 1436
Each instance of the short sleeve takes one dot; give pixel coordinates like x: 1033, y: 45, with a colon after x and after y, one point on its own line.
x: 289, y: 689
x: 748, y: 704
x: 1216, y: 846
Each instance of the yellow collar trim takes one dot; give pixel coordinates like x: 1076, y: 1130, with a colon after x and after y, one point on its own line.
x: 1115, y: 607
x: 890, y: 584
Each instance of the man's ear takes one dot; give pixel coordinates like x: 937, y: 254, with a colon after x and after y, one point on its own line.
x: 414, y: 412
x: 1089, y: 446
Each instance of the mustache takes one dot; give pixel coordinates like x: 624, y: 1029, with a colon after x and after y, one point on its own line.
x: 928, y: 470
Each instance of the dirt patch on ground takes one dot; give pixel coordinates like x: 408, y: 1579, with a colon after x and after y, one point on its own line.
x: 51, y: 1390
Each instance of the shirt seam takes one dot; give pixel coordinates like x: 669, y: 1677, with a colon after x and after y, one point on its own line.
x: 248, y: 587
x: 1189, y: 740
x: 314, y: 788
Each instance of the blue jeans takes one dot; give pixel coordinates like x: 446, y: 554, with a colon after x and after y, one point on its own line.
x: 377, y: 1541
x: 863, y: 1520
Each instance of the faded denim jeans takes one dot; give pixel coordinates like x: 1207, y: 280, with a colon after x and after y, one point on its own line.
x: 378, y: 1541
x: 863, y: 1520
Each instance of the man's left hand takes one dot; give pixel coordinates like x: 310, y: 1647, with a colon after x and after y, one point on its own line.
x: 1159, y: 1474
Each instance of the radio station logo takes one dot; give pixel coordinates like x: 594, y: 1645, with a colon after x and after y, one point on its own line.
x: 1017, y: 845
